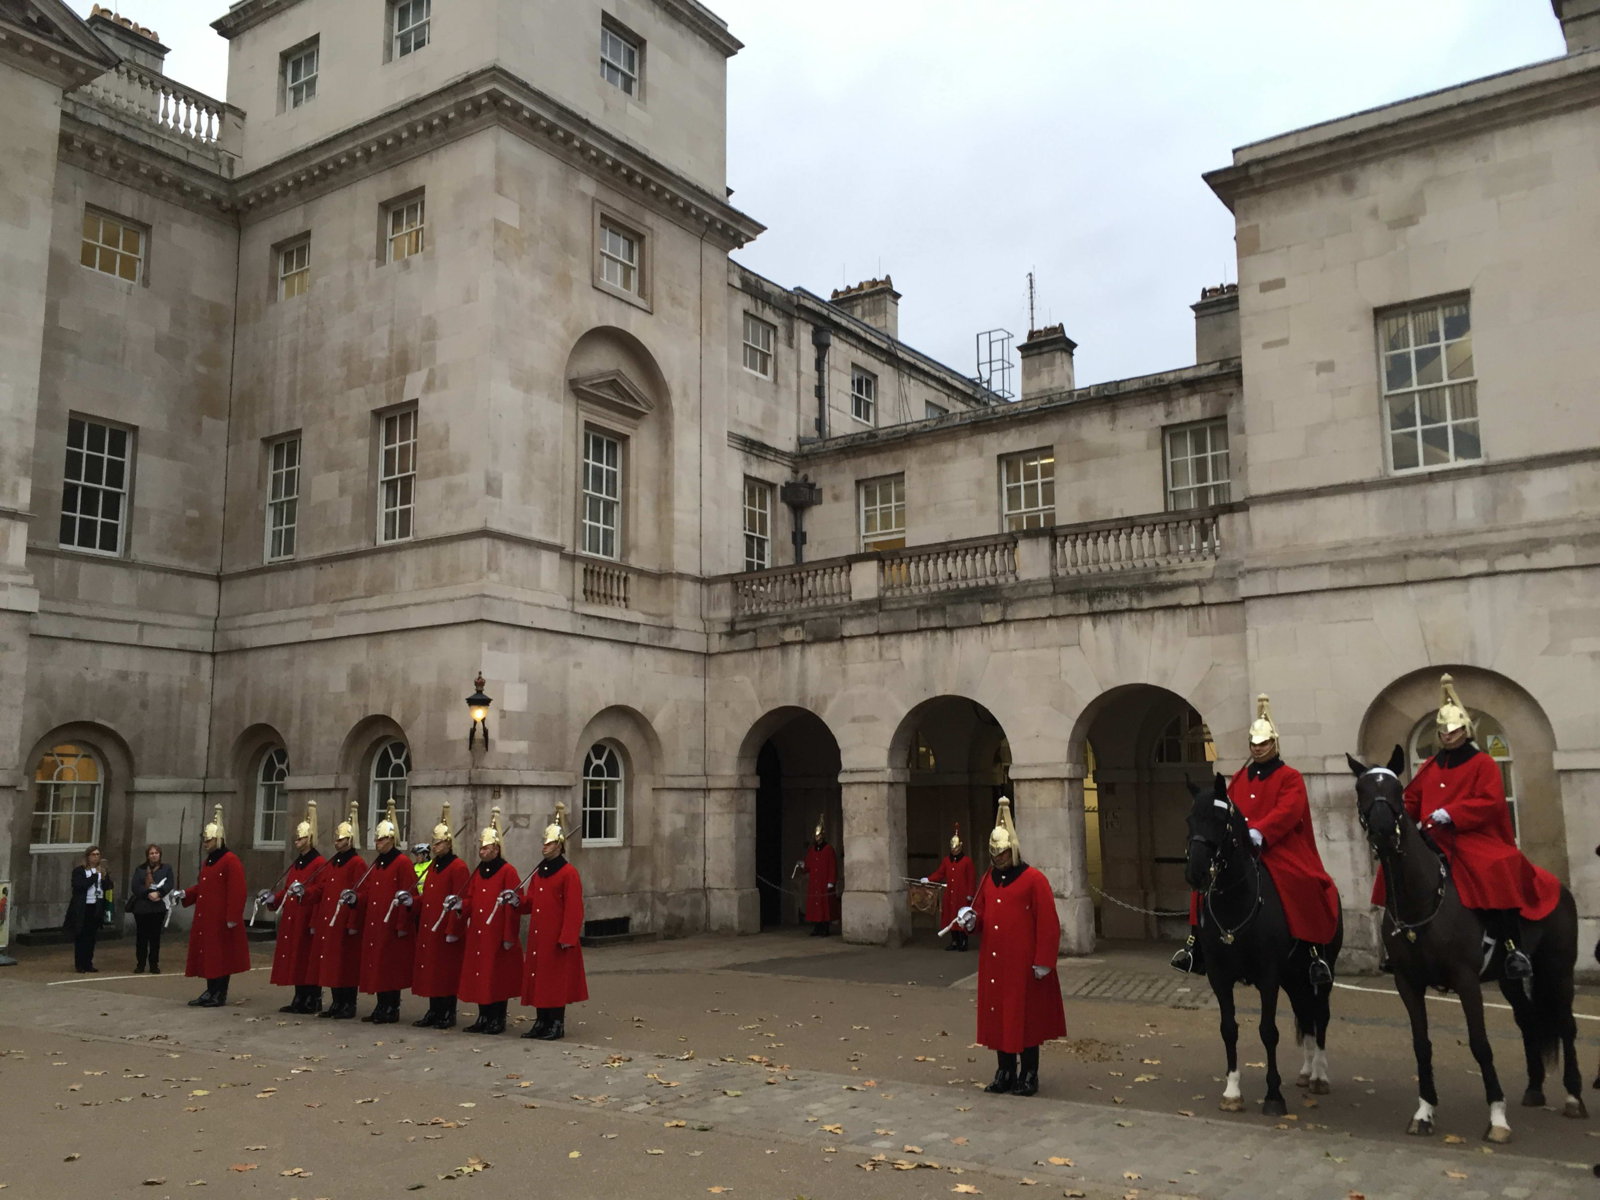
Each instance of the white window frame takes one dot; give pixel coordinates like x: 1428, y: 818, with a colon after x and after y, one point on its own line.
x: 102, y: 481
x: 881, y: 512
x: 604, y: 801
x: 621, y: 60
x: 272, y: 800
x: 1028, y: 490
x: 294, y: 268
x: 106, y: 248
x: 759, y: 338
x: 283, y: 498
x: 759, y: 504
x: 405, y: 228
x: 389, y: 778
x: 1185, y: 460
x: 410, y: 26
x: 621, y: 258
x: 1428, y: 375
x: 602, y: 493
x: 301, y: 67
x: 86, y: 796
x: 397, y: 475
x: 863, y: 395
x: 1425, y: 744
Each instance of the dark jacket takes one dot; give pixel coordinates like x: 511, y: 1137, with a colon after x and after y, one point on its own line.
x: 144, y: 881
x: 78, y: 911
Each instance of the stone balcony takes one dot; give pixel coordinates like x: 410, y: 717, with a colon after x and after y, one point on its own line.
x: 156, y: 111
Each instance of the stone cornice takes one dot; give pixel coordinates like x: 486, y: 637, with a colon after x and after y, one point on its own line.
x: 701, y: 20
x: 248, y: 15
x: 134, y: 160
x: 60, y: 48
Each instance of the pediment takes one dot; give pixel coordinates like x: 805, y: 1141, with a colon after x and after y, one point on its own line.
x: 614, y: 391
x: 50, y: 23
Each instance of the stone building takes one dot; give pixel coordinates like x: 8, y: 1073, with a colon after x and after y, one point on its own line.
x: 424, y: 354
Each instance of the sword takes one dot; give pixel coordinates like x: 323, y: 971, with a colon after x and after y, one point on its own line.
x: 254, y: 911
x: 521, y: 890
x: 339, y: 909
x: 392, y: 903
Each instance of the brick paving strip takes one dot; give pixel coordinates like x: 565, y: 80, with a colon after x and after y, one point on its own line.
x: 1005, y: 1136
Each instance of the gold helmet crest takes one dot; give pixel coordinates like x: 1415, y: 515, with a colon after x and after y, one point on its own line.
x: 349, y: 827
x: 821, y: 831
x: 955, y: 839
x: 1262, y: 729
x: 389, y: 827
x: 492, y: 835
x: 308, y: 827
x: 442, y: 831
x: 1452, y: 714
x: 213, y: 830
x: 1004, y: 836
x: 556, y: 831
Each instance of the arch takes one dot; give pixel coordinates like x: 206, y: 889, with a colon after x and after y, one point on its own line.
x: 618, y: 369
x: 603, y: 800
x: 245, y: 757
x: 358, y: 758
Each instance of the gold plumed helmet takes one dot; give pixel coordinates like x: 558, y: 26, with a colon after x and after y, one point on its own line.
x: 1452, y: 713
x: 955, y: 839
x: 389, y: 827
x: 821, y: 830
x: 1004, y: 836
x: 442, y: 831
x: 556, y: 831
x: 308, y: 827
x: 1262, y: 729
x: 213, y: 831
x: 349, y: 827
x: 491, y: 835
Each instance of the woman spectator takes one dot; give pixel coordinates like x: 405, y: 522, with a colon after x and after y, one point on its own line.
x: 148, y: 904
x: 86, y: 909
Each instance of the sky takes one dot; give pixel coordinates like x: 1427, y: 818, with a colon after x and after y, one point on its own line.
x: 958, y: 145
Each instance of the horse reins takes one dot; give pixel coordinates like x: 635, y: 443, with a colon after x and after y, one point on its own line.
x: 1409, y: 928
x: 1228, y: 935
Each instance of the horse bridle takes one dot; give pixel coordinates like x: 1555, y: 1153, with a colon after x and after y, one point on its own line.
x: 1409, y: 928
x: 1215, y: 872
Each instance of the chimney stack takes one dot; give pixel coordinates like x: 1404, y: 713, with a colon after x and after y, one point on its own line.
x: 1580, y: 21
x: 1216, y: 323
x: 134, y: 42
x: 1047, y: 362
x: 873, y: 301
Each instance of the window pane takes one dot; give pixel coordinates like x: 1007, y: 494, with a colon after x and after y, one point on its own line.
x: 1430, y: 366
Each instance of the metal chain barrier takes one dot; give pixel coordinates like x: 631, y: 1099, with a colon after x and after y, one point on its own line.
x: 1149, y: 912
x: 780, y: 888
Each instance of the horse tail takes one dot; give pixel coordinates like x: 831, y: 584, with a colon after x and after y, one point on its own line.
x: 1552, y: 979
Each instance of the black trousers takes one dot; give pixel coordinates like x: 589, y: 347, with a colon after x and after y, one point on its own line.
x: 147, y: 938
x: 83, y: 942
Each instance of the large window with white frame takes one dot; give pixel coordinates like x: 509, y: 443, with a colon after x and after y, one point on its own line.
x: 390, y: 779
x: 863, y: 395
x: 1490, y: 737
x: 94, y: 491
x: 758, y: 509
x: 1028, y: 490
x: 1430, y: 385
x: 300, y: 70
x: 283, y: 497
x: 406, y: 229
x: 759, y: 336
x: 410, y: 26
x: 1197, y: 465
x: 294, y: 268
x: 602, y: 493
x: 620, y: 261
x: 604, y: 796
x: 397, y: 475
x: 113, y: 246
x: 882, y: 509
x: 68, y: 787
x: 621, y: 59
x: 272, y: 799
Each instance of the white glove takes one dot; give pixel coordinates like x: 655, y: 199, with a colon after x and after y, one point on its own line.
x: 1439, y: 817
x: 451, y: 903
x: 176, y: 895
x: 1040, y: 972
x: 297, y: 890
x: 924, y: 879
x: 264, y: 897
x: 1256, y: 839
x: 967, y: 919
x: 509, y: 896
x: 348, y: 898
x: 404, y: 898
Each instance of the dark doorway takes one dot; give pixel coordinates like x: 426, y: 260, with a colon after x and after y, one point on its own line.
x: 769, y: 835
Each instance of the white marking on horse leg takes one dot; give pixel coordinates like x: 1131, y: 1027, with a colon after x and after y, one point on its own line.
x: 1319, y: 1067
x: 1231, y: 1090
x: 1308, y: 1047
x: 1497, y: 1114
x: 1424, y: 1112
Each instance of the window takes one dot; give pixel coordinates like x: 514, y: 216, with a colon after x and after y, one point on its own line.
x: 930, y: 410
x: 294, y: 269
x: 1430, y: 393
x: 1489, y: 736
x: 300, y: 75
x: 883, y: 512
x: 1197, y: 465
x: 66, y: 799
x: 397, y: 476
x: 619, y: 258
x: 112, y: 246
x: 1186, y: 739
x: 602, y: 796
x: 391, y: 780
x: 863, y: 395
x: 272, y: 802
x: 411, y: 25
x: 1028, y: 490
x: 619, y: 59
x: 94, y: 493
x: 757, y: 525
x: 602, y: 494
x: 283, y: 497
x: 758, y: 336
x: 405, y: 223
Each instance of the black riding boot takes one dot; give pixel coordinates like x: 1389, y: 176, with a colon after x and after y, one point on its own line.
x: 541, y: 1020
x: 1505, y: 926
x: 556, y: 1027
x: 820, y: 928
x: 1189, y: 958
x: 1005, y: 1077
x: 430, y: 1019
x: 1028, y: 1077
x: 1321, y: 969
x: 447, y: 1013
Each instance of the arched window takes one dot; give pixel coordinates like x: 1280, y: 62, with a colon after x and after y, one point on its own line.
x: 391, y: 780
x: 272, y: 802
x: 1185, y: 740
x: 1490, y: 737
x: 603, y: 796
x: 67, y: 788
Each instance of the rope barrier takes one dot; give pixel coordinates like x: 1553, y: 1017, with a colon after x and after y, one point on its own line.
x: 1149, y: 912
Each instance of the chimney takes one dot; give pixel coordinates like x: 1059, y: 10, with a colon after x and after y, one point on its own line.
x: 1580, y: 21
x: 134, y: 42
x: 874, y: 301
x: 1216, y: 322
x: 1047, y: 362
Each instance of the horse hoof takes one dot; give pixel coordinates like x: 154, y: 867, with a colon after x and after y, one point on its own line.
x: 1420, y: 1128
x: 1231, y: 1104
x: 1498, y: 1134
x: 1302, y: 1080
x: 1319, y: 1087
x: 1274, y: 1106
x: 1532, y: 1099
x: 1574, y: 1108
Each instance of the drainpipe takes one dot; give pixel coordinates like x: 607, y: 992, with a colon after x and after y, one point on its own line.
x: 800, y: 494
x: 822, y: 338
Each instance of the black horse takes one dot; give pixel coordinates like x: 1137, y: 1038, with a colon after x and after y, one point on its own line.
x: 1433, y: 940
x: 1245, y: 936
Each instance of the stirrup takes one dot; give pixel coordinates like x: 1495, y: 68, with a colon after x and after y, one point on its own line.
x: 1185, y: 959
x: 1517, y: 964
x: 1321, y: 972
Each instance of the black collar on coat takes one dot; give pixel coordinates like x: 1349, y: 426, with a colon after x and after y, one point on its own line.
x: 343, y: 857
x: 1262, y: 770
x: 1006, y: 876
x: 550, y: 866
x: 306, y: 859
x: 443, y: 861
x: 211, y: 859
x: 489, y: 869
x: 1455, y: 758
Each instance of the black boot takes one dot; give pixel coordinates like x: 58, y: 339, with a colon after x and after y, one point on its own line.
x: 556, y: 1026
x: 541, y: 1022
x: 313, y: 1001
x: 429, y: 1019
x: 219, y: 992
x: 481, y: 1025
x: 1005, y: 1078
x: 498, y: 1020
x: 1189, y: 959
x: 1028, y: 1077
x: 958, y: 940
x: 1505, y: 926
x: 389, y: 1002
x: 298, y: 1004
x: 1321, y: 970
x: 203, y: 1000
x: 447, y: 1014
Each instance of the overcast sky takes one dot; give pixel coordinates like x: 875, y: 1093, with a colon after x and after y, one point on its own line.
x: 959, y: 144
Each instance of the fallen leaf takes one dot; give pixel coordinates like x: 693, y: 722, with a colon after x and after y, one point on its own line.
x: 675, y: 1124
x: 72, y: 1158
x: 966, y: 1189
x: 200, y: 1092
x: 958, y: 1141
x: 468, y: 1104
x: 1452, y: 1139
x: 574, y: 1153
x: 295, y: 1173
x: 655, y: 1151
x: 732, y: 1092
x: 718, y: 1190
x: 154, y: 1182
x: 1130, y: 1176
x: 243, y: 1167
x: 1058, y: 1161
x: 1455, y: 1174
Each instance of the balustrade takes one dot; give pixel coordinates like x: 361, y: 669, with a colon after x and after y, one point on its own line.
x: 1140, y: 544
x: 605, y: 586
x: 791, y: 588
x: 948, y: 567
x: 147, y: 96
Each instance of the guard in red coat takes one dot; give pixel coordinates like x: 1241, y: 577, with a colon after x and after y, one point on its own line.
x: 1459, y: 797
x: 294, y: 962
x: 1019, y: 992
x: 491, y: 964
x: 821, y: 866
x: 1272, y: 798
x: 386, y: 902
x: 959, y: 877
x: 441, y: 931
x: 217, y: 946
x: 553, y: 975
x: 338, y: 921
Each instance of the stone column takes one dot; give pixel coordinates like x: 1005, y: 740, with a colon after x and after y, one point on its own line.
x: 1048, y: 803
x: 733, y: 904
x: 875, y: 911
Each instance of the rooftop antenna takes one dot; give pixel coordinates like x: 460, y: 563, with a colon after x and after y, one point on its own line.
x: 1032, y: 324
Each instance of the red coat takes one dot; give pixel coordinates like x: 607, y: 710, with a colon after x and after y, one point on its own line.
x: 1277, y: 805
x: 960, y: 881
x: 217, y: 945
x: 1020, y: 930
x: 553, y: 977
x: 437, y: 969
x: 822, y: 880
x: 294, y: 957
x: 490, y: 969
x: 388, y: 929
x: 338, y: 928
x: 1488, y: 870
